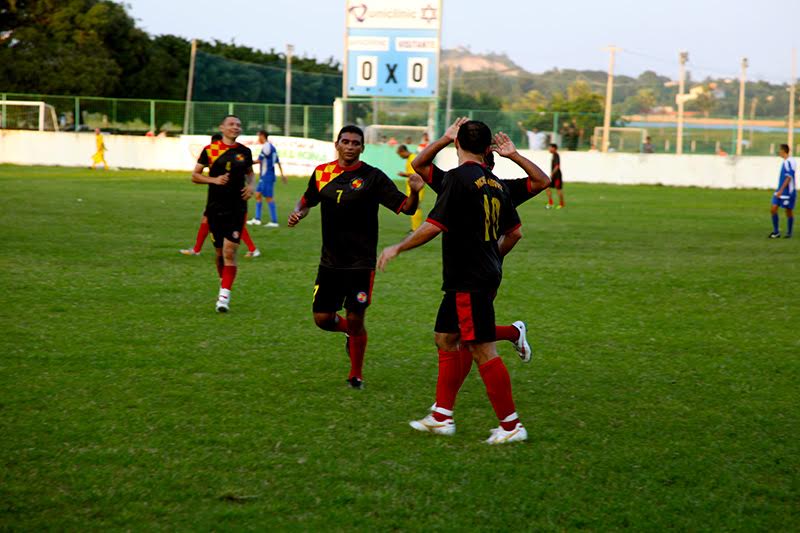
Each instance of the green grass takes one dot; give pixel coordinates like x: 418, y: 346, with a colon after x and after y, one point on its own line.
x: 663, y: 392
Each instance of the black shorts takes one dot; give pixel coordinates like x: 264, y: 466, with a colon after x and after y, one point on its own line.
x: 223, y: 226
x: 335, y: 286
x: 471, y: 314
x: 556, y: 182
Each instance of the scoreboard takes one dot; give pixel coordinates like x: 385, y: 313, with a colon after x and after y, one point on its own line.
x: 392, y: 48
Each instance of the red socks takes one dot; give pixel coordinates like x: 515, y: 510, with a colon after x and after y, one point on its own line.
x: 451, y: 376
x: 228, y: 275
x: 357, y: 346
x: 498, y: 388
x: 340, y: 324
x: 247, y: 240
x: 506, y: 333
x: 202, y: 233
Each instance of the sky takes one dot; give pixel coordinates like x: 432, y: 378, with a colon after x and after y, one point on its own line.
x: 537, y: 35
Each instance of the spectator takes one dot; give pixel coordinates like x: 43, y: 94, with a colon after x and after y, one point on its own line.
x: 647, y: 147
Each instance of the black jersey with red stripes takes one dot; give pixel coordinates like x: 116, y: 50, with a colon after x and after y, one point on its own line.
x: 349, y: 198
x: 518, y: 189
x: 237, y: 161
x: 473, y: 210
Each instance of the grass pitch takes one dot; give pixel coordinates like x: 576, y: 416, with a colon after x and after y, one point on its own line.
x: 663, y: 391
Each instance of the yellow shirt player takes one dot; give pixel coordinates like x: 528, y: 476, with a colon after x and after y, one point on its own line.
x: 100, y: 155
x: 404, y: 153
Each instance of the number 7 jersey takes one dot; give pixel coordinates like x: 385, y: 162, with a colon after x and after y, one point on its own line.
x: 473, y: 210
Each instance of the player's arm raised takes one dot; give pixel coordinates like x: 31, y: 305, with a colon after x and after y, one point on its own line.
x: 504, y: 146
x: 416, y: 184
x: 424, y: 161
x: 201, y: 179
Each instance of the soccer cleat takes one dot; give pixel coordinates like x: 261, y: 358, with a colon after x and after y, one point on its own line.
x: 431, y: 425
x: 522, y: 346
x: 787, y: 236
x: 254, y: 222
x: 355, y: 383
x: 223, y: 301
x: 560, y: 207
x: 548, y: 206
x: 774, y: 235
x: 271, y: 225
x: 501, y: 436
x: 189, y: 251
x: 254, y: 253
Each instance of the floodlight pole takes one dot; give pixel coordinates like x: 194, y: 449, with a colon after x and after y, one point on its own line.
x: 740, y: 122
x: 449, y: 110
x: 792, y: 84
x: 683, y: 57
x: 287, y: 124
x: 187, y: 112
x: 609, y: 95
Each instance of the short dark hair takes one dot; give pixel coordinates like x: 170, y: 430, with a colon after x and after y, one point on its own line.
x: 402, y: 148
x: 263, y: 132
x: 785, y: 148
x: 216, y: 137
x: 474, y: 137
x: 226, y: 117
x: 351, y: 129
x: 554, y: 145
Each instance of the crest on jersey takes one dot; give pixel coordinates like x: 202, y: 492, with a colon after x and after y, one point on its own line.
x: 361, y: 297
x: 356, y: 183
x: 235, y: 234
x: 240, y: 157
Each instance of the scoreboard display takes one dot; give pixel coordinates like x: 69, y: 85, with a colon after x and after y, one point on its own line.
x: 392, y: 48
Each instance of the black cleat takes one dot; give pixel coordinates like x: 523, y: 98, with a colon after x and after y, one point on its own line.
x: 787, y: 236
x: 355, y: 383
x: 774, y: 235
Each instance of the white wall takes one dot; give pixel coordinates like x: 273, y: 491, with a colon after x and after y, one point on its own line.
x: 300, y: 156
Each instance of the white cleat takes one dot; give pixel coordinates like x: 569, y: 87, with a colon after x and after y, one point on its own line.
x: 224, y: 301
x: 189, y: 251
x: 254, y: 253
x: 501, y: 436
x: 431, y: 425
x: 271, y: 225
x: 254, y: 222
x: 522, y: 346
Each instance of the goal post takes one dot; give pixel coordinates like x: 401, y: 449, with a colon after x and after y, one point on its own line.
x: 27, y: 115
x: 621, y: 139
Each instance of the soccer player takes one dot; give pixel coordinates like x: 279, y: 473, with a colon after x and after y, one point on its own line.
x: 520, y: 190
x: 230, y: 185
x: 480, y: 226
x: 100, y: 155
x: 267, y: 160
x: 202, y: 231
x: 785, y: 195
x: 406, y: 154
x: 349, y: 192
x: 555, y: 176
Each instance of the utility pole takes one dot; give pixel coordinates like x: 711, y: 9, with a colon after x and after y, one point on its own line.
x: 187, y: 110
x: 449, y: 110
x: 609, y: 95
x: 287, y: 124
x: 683, y: 57
x: 790, y: 139
x: 740, y: 122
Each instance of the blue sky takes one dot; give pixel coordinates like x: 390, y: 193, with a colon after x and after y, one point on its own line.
x: 538, y: 35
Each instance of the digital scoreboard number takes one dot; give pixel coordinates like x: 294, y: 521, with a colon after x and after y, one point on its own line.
x: 393, y: 48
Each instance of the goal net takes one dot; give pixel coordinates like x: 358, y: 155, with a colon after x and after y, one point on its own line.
x: 620, y: 139
x: 22, y: 115
x: 387, y: 121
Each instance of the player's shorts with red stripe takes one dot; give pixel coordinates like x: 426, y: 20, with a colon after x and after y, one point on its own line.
x: 471, y: 314
x: 335, y: 287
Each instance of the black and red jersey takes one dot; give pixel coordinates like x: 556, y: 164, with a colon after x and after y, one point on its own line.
x: 519, y: 189
x: 237, y: 161
x: 473, y: 210
x: 349, y: 198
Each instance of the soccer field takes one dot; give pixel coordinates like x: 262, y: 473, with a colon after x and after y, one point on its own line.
x: 663, y: 392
